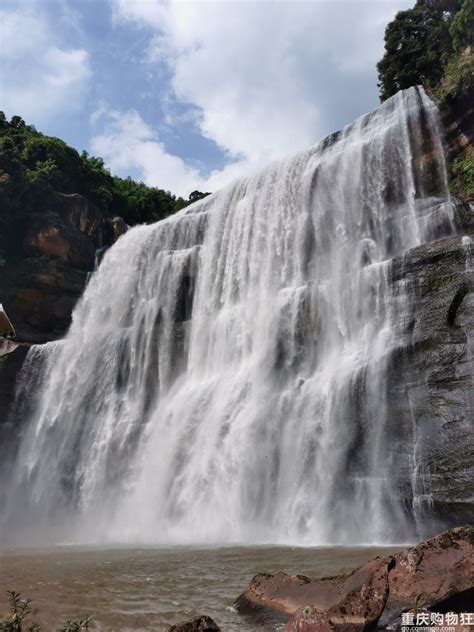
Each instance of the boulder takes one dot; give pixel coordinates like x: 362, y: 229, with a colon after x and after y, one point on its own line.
x: 437, y: 575
x: 352, y: 601
x: 117, y: 226
x: 78, y: 211
x: 64, y: 241
x: 199, y: 624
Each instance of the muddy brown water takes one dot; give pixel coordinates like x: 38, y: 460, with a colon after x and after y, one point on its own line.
x: 149, y: 588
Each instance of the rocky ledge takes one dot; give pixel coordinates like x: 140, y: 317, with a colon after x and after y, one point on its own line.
x: 436, y: 576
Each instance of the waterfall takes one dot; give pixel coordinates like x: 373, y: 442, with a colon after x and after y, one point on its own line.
x: 225, y: 375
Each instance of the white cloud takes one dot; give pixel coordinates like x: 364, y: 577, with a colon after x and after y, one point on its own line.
x: 269, y: 77
x: 127, y: 142
x: 39, y: 78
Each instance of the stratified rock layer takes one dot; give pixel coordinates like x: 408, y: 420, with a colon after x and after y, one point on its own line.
x: 431, y: 394
x: 40, y: 287
x: 437, y: 575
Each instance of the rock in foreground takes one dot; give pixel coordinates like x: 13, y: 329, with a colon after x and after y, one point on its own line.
x: 437, y: 575
x: 200, y: 624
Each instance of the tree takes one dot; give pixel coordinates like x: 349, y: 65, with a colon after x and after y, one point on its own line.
x: 461, y: 28
x: 417, y: 43
x: 447, y: 6
x: 17, y: 122
x: 45, y: 176
x: 197, y: 195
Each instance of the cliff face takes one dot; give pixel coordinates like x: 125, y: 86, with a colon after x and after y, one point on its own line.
x: 431, y: 389
x: 40, y: 287
x: 431, y: 392
x: 458, y: 122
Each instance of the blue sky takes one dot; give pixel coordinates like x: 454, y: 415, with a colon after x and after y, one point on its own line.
x: 190, y: 94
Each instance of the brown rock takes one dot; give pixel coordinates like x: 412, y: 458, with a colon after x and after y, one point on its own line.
x: 118, y: 227
x: 436, y: 574
x: 286, y: 594
x: 66, y: 242
x: 345, y: 602
x: 309, y: 620
x: 432, y: 574
x: 78, y: 211
x: 39, y: 295
x: 200, y: 624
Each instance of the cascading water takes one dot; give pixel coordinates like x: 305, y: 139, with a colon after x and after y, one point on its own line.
x: 224, y: 378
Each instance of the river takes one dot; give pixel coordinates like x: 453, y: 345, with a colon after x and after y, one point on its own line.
x: 149, y: 588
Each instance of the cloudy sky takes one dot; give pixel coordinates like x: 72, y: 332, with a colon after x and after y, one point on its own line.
x: 190, y: 94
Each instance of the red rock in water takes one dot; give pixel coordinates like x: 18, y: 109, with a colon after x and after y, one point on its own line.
x: 432, y: 574
x: 437, y: 575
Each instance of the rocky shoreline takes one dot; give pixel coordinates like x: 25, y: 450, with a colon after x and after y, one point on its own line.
x: 435, y: 576
x: 423, y: 583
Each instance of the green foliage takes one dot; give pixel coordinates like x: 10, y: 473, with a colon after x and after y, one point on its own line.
x: 197, y: 195
x: 20, y: 610
x: 461, y: 28
x: 416, y: 42
x: 34, y: 166
x: 458, y: 76
x: 138, y: 203
x: 76, y: 626
x: 462, y: 177
x: 427, y: 45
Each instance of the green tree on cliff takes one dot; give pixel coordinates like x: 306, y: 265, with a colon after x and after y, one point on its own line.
x: 416, y: 42
x: 33, y: 167
x: 426, y: 45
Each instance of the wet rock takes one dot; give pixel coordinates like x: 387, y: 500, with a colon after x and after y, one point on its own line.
x: 12, y: 356
x: 355, y: 600
x: 309, y: 620
x: 200, y: 624
x: 430, y: 389
x: 437, y: 574
x: 117, y: 226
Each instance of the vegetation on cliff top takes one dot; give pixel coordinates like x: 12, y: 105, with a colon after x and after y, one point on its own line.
x: 430, y: 44
x: 33, y: 166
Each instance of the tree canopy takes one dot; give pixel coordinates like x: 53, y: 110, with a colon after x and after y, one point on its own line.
x: 33, y: 166
x: 421, y: 43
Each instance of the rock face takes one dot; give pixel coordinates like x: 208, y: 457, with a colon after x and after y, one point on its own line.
x: 40, y: 287
x: 431, y: 395
x: 458, y: 123
x: 437, y: 575
x: 200, y: 624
